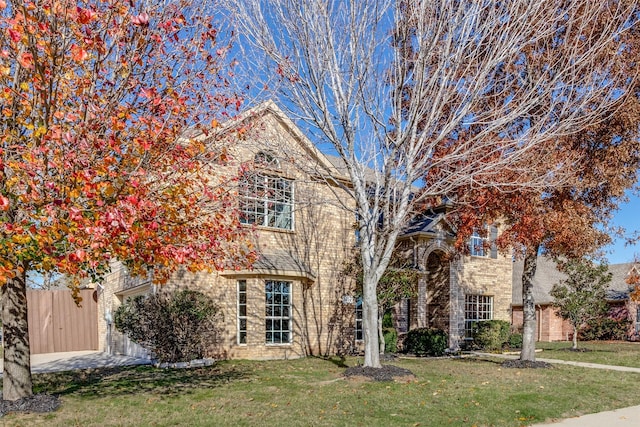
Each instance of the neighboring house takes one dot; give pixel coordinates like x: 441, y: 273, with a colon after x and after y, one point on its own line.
x: 295, y: 300
x: 550, y: 326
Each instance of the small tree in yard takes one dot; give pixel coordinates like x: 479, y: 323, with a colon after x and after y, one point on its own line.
x: 581, y: 297
x: 397, y: 283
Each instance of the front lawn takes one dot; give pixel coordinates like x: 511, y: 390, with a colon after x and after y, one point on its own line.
x: 312, y: 392
x: 607, y: 353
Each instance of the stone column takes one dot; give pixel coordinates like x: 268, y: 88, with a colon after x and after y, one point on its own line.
x: 456, y: 312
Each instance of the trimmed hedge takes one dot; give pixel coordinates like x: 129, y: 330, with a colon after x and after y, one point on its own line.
x: 605, y: 329
x: 426, y: 342
x: 491, y: 335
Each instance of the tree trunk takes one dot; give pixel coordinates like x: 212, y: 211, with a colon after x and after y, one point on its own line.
x: 575, y: 337
x: 16, y: 381
x: 528, y: 352
x: 370, y: 324
x: 380, y: 330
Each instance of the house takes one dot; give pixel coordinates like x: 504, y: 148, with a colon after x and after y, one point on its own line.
x: 551, y: 327
x: 454, y: 290
x: 296, y: 301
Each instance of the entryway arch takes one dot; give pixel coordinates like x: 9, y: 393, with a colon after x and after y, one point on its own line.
x: 438, y: 290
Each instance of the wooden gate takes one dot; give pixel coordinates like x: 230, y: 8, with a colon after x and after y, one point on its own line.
x: 57, y: 324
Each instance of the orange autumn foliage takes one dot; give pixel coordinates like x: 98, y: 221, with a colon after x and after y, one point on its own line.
x: 95, y: 160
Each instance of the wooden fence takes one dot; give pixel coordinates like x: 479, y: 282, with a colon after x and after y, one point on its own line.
x: 57, y: 324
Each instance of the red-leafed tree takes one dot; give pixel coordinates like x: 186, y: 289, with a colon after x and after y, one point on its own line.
x: 584, y: 174
x: 588, y: 174
x: 633, y: 280
x: 100, y: 107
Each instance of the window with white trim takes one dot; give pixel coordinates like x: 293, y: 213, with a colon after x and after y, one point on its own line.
x: 484, y: 246
x: 242, y: 311
x: 476, y: 309
x: 266, y: 200
x: 358, y: 320
x: 476, y: 245
x: 278, y: 312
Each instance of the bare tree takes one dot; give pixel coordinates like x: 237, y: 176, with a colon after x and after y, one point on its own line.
x: 430, y: 95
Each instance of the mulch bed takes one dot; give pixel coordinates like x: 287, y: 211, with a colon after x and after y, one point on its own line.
x: 36, y: 403
x: 526, y: 364
x: 386, y: 373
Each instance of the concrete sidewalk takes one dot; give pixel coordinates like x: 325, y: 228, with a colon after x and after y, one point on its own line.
x: 624, y: 417
x: 565, y: 362
x: 66, y: 361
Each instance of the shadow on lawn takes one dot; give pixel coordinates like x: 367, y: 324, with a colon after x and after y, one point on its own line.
x: 339, y: 361
x: 130, y: 380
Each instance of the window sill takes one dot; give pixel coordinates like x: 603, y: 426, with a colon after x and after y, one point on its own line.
x: 272, y: 229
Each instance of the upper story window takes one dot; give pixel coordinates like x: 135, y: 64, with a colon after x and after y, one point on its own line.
x: 484, y: 246
x: 266, y: 199
x: 476, y: 245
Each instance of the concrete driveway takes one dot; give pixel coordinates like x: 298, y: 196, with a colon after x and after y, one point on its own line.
x: 67, y: 361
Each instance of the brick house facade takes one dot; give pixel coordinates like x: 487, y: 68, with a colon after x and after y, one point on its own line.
x: 551, y: 327
x: 296, y: 301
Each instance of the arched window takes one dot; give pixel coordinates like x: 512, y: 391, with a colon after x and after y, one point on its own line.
x: 263, y: 158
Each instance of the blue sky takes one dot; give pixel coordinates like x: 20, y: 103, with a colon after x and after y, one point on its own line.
x: 628, y: 217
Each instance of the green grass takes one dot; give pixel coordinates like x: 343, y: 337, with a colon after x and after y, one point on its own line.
x: 607, y: 353
x: 312, y: 392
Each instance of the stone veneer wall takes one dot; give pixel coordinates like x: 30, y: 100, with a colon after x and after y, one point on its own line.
x: 467, y: 275
x: 323, y: 239
x: 491, y: 277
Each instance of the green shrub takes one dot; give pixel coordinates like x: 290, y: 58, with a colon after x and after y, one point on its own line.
x: 491, y: 335
x: 605, y: 329
x: 426, y: 342
x: 387, y: 320
x: 515, y: 340
x: 175, y: 326
x: 390, y: 340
